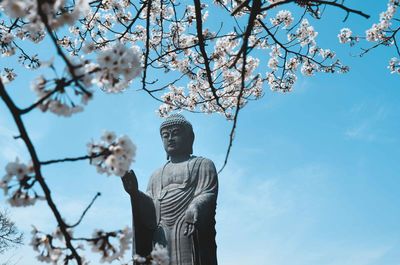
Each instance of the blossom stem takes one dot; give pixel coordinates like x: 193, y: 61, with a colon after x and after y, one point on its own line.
x: 73, y: 159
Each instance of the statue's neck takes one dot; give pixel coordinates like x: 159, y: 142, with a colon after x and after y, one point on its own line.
x: 179, y: 158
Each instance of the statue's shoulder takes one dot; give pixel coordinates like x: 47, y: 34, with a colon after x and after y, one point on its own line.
x: 204, y: 162
x: 157, y: 172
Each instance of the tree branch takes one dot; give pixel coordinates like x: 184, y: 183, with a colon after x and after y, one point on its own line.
x: 318, y: 2
x: 15, y: 112
x: 60, y: 52
x: 72, y: 159
x: 199, y: 28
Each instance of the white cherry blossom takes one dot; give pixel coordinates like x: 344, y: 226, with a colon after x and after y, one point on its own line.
x: 119, y: 65
x: 159, y: 255
x: 113, y: 155
x: 283, y: 16
x: 101, y: 242
x: 394, y: 65
x: 345, y: 35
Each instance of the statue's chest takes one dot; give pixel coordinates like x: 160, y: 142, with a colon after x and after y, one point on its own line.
x: 174, y: 174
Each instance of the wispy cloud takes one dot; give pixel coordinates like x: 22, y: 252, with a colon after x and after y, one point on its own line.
x: 357, y: 255
x: 368, y: 118
x: 275, y: 218
x: 252, y: 210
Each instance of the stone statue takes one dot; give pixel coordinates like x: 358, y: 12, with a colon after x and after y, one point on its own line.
x: 178, y: 209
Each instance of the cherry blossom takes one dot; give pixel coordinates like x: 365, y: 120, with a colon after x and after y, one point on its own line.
x: 54, y: 97
x: 394, y: 65
x: 345, y: 35
x: 119, y: 65
x: 101, y: 243
x: 18, y: 184
x: 383, y: 33
x: 8, y: 75
x: 305, y: 34
x: 112, y: 155
x: 282, y: 17
x: 57, y: 13
x: 44, y: 245
x: 159, y: 255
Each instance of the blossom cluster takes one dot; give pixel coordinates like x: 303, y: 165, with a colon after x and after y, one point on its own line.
x: 112, y: 155
x: 345, y: 35
x: 29, y: 17
x: 116, y: 64
x: 309, y: 59
x: 7, y: 48
x: 44, y: 245
x: 54, y: 97
x: 382, y: 33
x: 57, y: 13
x: 221, y: 95
x: 158, y: 256
x: 8, y: 75
x: 282, y: 17
x: 18, y: 184
x: 52, y: 247
x: 378, y: 31
x: 101, y: 243
x: 109, y: 33
x: 394, y: 65
x: 305, y: 34
x: 119, y: 65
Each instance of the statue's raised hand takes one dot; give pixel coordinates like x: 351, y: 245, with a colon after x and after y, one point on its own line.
x: 130, y: 183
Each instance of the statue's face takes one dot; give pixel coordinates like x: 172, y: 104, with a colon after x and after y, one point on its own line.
x: 175, y: 140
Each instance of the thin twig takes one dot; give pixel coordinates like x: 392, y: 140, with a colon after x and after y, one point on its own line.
x: 86, y: 210
x: 72, y: 159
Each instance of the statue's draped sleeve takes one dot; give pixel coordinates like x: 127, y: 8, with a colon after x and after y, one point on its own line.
x: 205, y: 203
x: 206, y: 192
x: 144, y: 220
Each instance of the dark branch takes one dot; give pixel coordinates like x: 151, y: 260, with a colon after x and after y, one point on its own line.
x: 70, y: 159
x: 319, y: 2
x: 15, y: 112
x: 199, y: 28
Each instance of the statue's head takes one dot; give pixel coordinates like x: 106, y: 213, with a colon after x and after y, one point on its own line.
x: 177, y: 135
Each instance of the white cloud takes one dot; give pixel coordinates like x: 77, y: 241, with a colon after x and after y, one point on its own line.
x: 367, y: 125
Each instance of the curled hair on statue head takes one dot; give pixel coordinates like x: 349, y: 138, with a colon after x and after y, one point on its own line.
x: 175, y: 119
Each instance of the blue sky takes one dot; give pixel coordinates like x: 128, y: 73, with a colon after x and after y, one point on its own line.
x: 313, y: 178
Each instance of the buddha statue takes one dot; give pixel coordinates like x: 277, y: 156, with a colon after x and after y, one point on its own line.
x: 178, y: 208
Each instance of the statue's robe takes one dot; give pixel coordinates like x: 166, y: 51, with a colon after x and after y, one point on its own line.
x: 172, y: 190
